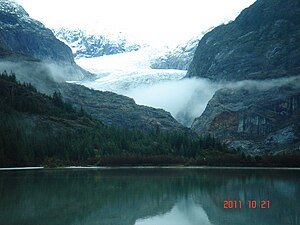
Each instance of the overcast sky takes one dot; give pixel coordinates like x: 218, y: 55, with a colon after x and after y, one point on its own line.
x: 154, y: 21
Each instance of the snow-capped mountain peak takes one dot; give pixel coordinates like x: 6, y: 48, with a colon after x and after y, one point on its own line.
x: 14, y: 16
x: 92, y: 44
x: 12, y: 7
x: 179, y: 57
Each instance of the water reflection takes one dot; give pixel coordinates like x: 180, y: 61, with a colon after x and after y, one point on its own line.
x: 185, y: 212
x: 148, y: 197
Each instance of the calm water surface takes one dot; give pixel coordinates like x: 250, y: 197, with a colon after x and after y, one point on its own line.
x: 149, y: 197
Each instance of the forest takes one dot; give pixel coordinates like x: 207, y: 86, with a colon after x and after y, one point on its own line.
x: 41, y: 130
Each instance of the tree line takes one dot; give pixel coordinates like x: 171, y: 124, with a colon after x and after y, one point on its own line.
x: 36, y: 129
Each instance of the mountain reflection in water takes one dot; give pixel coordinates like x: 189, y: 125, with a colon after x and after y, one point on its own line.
x: 148, y: 196
x: 185, y: 212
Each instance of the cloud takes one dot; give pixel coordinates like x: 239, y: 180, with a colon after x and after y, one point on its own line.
x: 185, y: 99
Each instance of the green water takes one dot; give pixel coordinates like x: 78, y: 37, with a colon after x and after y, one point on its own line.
x: 148, y: 196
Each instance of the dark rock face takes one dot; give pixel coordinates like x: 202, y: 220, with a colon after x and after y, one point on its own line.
x: 259, y: 117
x: 258, y: 120
x: 263, y: 42
x: 21, y: 34
x: 113, y: 109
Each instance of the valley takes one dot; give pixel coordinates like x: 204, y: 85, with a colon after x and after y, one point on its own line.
x: 130, y: 74
x: 236, y: 82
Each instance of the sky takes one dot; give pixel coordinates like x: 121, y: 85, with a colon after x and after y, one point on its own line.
x: 156, y: 22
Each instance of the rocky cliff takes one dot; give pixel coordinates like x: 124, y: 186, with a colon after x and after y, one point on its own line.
x: 263, y: 42
x: 259, y: 117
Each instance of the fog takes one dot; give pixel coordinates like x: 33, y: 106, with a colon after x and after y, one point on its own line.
x: 185, y: 99
x: 43, y: 75
x: 262, y: 85
x: 33, y: 72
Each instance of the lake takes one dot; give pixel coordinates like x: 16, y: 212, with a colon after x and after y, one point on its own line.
x: 150, y: 196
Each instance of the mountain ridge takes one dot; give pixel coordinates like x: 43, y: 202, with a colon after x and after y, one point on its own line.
x: 263, y: 38
x: 88, y: 45
x: 14, y: 19
x: 260, y: 46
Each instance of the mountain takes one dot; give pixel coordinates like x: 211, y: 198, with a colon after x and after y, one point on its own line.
x: 261, y: 43
x: 31, y: 50
x: 118, y: 110
x: 21, y: 34
x: 34, y: 126
x: 86, y: 45
x: 259, y: 53
x: 39, y: 129
x: 178, y: 58
x: 258, y: 118
x: 24, y: 38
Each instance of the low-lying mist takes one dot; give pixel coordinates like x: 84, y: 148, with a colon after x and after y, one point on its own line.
x: 262, y: 85
x: 43, y: 75
x: 185, y: 99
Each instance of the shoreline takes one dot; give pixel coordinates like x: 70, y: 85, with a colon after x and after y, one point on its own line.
x: 145, y: 167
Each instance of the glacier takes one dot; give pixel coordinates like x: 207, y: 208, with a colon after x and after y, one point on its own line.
x: 130, y: 74
x: 121, y: 73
